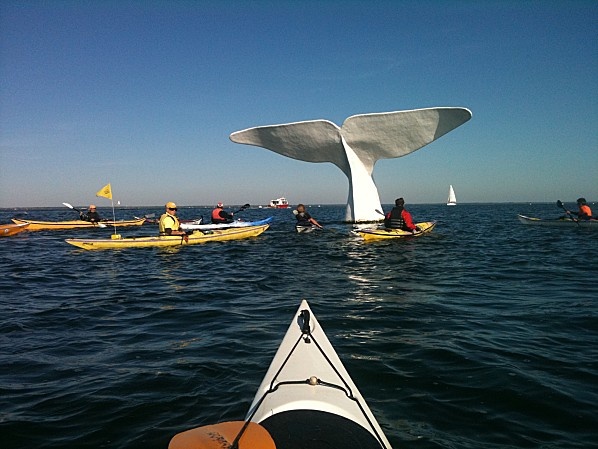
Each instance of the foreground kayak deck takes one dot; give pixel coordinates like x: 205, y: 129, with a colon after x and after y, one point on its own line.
x: 385, y: 234
x: 307, y: 390
x: 234, y: 224
x: 166, y: 240
x: 75, y: 224
x: 306, y: 399
x: 12, y: 229
x: 560, y: 222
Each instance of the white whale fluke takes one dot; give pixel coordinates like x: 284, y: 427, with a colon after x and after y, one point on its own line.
x: 357, y: 145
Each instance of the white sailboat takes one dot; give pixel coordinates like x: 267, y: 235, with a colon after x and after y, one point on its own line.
x: 452, y: 199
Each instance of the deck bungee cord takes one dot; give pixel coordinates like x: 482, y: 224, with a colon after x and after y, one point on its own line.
x: 307, y: 338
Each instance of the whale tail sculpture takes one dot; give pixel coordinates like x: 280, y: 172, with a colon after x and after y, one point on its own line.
x: 357, y: 145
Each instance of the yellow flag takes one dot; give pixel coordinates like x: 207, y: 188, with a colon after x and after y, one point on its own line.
x: 105, y: 191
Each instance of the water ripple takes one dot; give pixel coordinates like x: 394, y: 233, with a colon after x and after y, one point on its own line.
x: 481, y: 334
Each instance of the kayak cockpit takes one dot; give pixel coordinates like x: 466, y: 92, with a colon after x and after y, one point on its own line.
x: 318, y: 430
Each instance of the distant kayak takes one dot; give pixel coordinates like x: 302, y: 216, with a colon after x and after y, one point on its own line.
x: 306, y: 400
x: 218, y: 235
x: 559, y: 222
x: 75, y: 224
x: 234, y: 224
x: 12, y: 229
x: 385, y: 234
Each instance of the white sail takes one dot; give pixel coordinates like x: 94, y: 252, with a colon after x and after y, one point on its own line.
x: 452, y: 199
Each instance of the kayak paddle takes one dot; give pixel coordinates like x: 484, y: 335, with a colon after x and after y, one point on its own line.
x: 71, y: 207
x: 243, y: 207
x: 560, y: 204
x: 101, y: 225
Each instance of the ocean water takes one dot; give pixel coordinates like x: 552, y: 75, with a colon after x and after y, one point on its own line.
x: 482, y: 334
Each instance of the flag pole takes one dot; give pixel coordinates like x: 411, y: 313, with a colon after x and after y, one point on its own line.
x: 113, y: 213
x: 106, y: 192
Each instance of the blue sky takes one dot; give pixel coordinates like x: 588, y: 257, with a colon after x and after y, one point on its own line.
x: 144, y: 95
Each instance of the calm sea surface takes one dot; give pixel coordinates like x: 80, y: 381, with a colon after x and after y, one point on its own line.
x: 482, y: 334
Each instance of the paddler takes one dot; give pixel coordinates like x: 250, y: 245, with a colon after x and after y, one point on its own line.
x: 91, y: 215
x: 400, y: 218
x: 169, y: 222
x: 584, y: 212
x: 219, y: 215
x: 304, y: 218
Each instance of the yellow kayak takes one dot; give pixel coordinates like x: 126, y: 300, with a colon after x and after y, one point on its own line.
x: 385, y: 234
x: 217, y: 235
x: 75, y: 224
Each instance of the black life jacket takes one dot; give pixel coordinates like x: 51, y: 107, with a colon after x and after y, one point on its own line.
x: 303, y: 219
x: 394, y: 219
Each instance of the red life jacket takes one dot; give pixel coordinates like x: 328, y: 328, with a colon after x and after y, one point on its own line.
x: 585, y: 211
x: 216, y: 215
x: 220, y: 216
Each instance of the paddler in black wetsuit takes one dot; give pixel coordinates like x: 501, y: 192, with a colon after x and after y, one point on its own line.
x: 304, y: 218
x: 91, y: 215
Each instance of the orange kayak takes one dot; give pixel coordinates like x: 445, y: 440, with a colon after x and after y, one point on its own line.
x: 12, y: 229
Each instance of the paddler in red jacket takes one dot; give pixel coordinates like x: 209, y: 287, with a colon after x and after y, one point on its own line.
x: 219, y: 215
x: 400, y: 218
x: 584, y: 212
